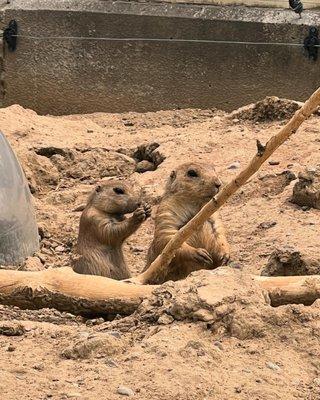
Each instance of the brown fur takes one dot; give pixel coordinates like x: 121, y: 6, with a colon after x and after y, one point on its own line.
x: 184, y: 196
x: 104, y: 228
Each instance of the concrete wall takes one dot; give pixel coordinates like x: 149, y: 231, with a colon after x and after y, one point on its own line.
x: 75, y: 76
x: 249, y: 3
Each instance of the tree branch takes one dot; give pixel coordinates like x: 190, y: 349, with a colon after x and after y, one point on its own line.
x: 264, y: 152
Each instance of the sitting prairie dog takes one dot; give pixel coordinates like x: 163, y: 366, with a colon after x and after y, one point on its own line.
x: 189, y: 187
x: 104, y: 228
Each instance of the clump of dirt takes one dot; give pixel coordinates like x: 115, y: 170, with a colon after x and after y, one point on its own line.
x: 306, y: 192
x: 88, y: 163
x: 269, y: 109
x: 41, y: 174
x: 268, y: 185
x: 289, y: 261
x: 212, y: 297
x: 146, y: 156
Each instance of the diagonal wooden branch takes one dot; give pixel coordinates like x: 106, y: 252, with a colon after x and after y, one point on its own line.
x: 264, y: 152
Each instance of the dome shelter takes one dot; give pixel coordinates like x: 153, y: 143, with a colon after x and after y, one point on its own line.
x: 18, y: 229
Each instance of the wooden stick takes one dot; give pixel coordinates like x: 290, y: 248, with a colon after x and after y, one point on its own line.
x: 263, y: 153
x: 64, y: 290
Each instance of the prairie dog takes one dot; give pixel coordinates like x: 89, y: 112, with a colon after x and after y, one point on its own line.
x: 189, y: 187
x: 104, y: 228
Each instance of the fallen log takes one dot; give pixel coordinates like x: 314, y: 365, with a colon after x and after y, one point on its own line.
x: 290, y: 289
x: 161, y: 263
x: 65, y: 290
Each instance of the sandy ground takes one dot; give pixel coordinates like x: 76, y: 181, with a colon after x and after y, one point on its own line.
x: 274, y: 355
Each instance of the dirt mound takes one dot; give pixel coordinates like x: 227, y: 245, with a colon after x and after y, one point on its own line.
x: 289, y: 261
x: 269, y: 109
x: 306, y: 192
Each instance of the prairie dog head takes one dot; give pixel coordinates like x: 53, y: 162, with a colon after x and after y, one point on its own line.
x: 194, y: 181
x: 115, y: 197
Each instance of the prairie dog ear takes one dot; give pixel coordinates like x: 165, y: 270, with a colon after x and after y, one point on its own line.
x: 173, y: 176
x: 98, y: 188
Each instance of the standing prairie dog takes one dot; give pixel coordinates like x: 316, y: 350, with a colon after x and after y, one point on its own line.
x: 189, y: 187
x: 104, y: 228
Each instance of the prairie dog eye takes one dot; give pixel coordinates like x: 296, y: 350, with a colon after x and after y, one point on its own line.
x: 192, y: 173
x: 118, y: 190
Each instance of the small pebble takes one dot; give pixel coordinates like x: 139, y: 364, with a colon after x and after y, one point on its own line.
x: 305, y: 208
x: 219, y: 345
x: 125, y: 391
x: 115, y: 334
x: 273, y: 366
x: 60, y: 249
x: 84, y: 335
x: 273, y: 162
x: 11, y: 348
x: 165, y: 319
x: 234, y: 165
x: 72, y: 395
x: 267, y: 224
x: 38, y: 367
x: 89, y: 131
x: 316, y: 381
x: 110, y: 363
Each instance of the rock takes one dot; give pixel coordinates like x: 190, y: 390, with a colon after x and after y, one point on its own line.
x: 32, y: 264
x: 112, y: 364
x: 219, y: 345
x: 203, y: 315
x: 165, y: 319
x: 144, y: 166
x: 105, y: 345
x: 267, y: 224
x: 72, y: 395
x: 115, y: 334
x: 41, y: 173
x: 316, y: 381
x: 11, y: 329
x: 289, y: 261
x: 60, y: 249
x: 11, y: 348
x: 273, y: 162
x: 234, y: 165
x: 84, y: 335
x: 273, y: 366
x: 38, y: 367
x: 95, y: 321
x: 306, y: 192
x: 43, y: 230
x: 125, y: 391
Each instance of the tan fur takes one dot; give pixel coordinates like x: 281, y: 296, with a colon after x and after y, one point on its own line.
x: 184, y: 196
x: 104, y: 228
